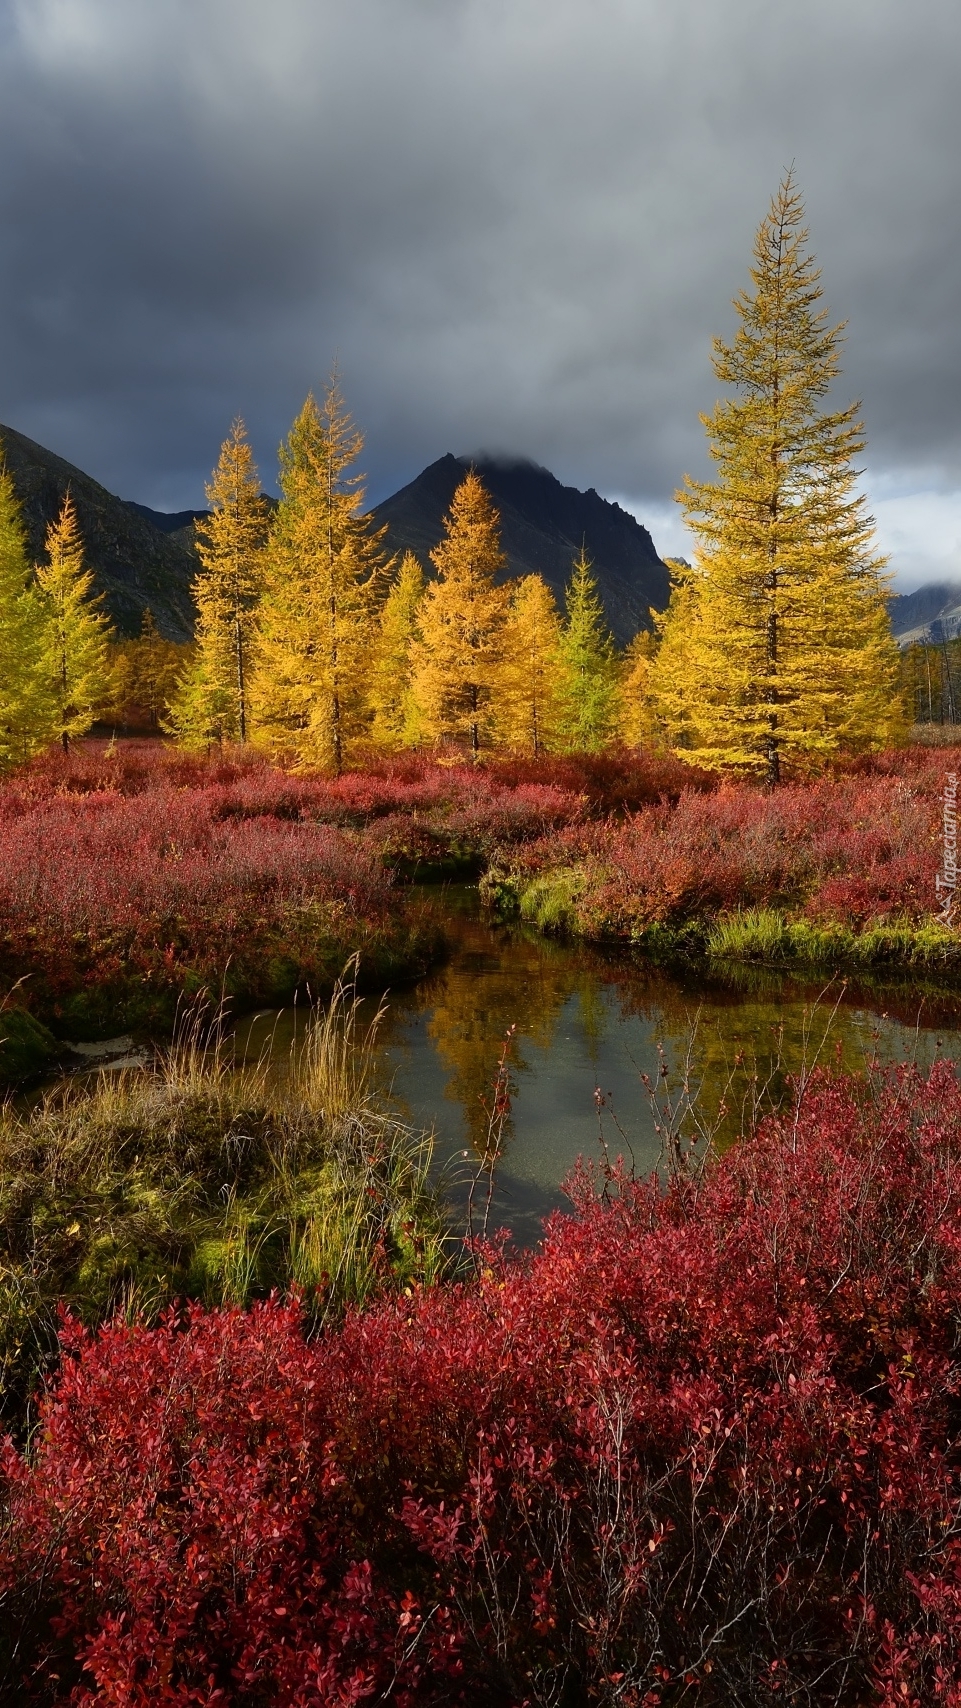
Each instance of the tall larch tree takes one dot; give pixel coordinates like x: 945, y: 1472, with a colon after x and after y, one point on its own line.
x: 394, y: 718
x: 587, y: 688
x: 26, y: 720
x: 777, y: 647
x: 212, y: 701
x: 324, y: 568
x: 457, y: 662
x: 75, y: 630
x: 527, y: 720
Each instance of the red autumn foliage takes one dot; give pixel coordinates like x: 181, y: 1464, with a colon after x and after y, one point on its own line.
x: 853, y: 848
x: 703, y: 1447
x: 606, y: 782
x: 142, y: 864
x: 101, y: 886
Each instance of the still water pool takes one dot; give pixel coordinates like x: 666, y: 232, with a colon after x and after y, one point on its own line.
x: 588, y: 1025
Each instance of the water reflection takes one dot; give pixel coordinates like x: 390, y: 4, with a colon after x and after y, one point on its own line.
x: 589, y: 1023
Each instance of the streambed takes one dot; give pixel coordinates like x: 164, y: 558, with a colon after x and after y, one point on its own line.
x: 588, y: 1025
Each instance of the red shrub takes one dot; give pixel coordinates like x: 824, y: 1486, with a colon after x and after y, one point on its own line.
x: 95, y: 886
x: 704, y: 1445
x: 185, y: 1536
x: 141, y: 863
x: 853, y: 848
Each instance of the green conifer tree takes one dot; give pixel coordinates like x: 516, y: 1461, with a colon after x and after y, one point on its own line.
x: 26, y: 712
x: 75, y: 630
x: 587, y: 688
x: 777, y: 649
x: 213, y: 697
x: 395, y: 722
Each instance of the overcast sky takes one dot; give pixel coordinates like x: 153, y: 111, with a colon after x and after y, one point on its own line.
x: 515, y: 224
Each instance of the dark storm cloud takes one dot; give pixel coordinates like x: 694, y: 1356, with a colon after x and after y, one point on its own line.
x: 514, y: 223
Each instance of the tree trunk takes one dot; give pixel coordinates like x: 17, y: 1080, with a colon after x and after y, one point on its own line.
x: 241, y: 699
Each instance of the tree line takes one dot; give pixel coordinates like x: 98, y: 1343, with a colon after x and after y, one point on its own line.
x: 775, y: 654
x: 310, y: 642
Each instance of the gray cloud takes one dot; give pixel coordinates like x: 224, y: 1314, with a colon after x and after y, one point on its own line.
x: 514, y: 223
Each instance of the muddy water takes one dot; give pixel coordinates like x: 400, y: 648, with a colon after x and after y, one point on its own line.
x: 587, y: 1027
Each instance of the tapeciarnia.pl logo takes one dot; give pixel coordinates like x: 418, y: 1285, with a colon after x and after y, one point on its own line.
x: 946, y: 882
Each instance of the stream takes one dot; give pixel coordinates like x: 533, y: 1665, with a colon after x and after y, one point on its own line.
x: 587, y: 1025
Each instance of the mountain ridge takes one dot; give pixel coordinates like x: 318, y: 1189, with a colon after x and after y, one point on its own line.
x: 543, y: 525
x: 136, y: 564
x: 930, y: 613
x: 144, y: 558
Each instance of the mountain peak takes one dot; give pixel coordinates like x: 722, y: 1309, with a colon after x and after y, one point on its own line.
x: 543, y: 525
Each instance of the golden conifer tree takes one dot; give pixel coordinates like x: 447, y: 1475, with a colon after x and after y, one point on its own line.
x: 586, y: 667
x: 26, y: 711
x: 777, y: 646
x: 324, y: 565
x: 75, y: 630
x: 527, y: 709
x: 143, y: 675
x: 395, y: 721
x: 212, y: 701
x: 458, y: 659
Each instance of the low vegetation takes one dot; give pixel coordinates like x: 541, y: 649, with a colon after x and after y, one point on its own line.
x: 702, y: 1445
x: 838, y: 870
x: 131, y: 875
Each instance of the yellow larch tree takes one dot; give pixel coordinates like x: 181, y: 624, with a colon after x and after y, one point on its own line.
x: 212, y: 700
x: 394, y: 718
x: 143, y: 677
x: 26, y: 709
x: 637, y: 722
x: 75, y: 630
x: 325, y: 566
x: 777, y: 650
x: 527, y: 697
x: 458, y: 659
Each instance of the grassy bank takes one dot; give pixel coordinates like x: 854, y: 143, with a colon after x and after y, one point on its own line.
x: 199, y: 1180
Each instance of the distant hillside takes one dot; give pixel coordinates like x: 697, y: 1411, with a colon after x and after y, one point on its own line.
x: 542, y: 526
x: 930, y: 613
x: 138, y: 557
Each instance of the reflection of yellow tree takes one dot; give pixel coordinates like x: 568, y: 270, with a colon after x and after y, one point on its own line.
x: 740, y: 1052
x: 471, y: 1015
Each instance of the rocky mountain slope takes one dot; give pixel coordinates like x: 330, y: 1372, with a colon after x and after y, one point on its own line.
x: 932, y: 613
x: 138, y: 557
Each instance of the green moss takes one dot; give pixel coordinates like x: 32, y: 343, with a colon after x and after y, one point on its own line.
x: 201, y: 1180
x: 550, y: 901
